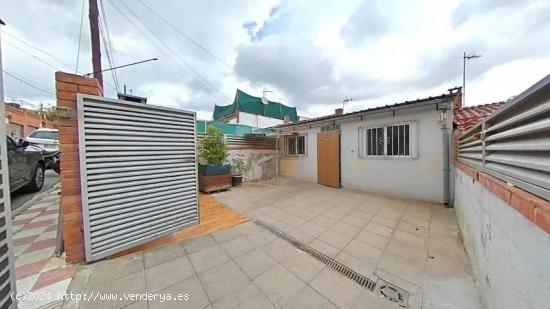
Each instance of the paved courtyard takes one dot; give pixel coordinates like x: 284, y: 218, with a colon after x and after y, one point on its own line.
x: 414, y: 246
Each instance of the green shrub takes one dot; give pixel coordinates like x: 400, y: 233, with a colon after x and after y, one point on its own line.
x: 212, y: 146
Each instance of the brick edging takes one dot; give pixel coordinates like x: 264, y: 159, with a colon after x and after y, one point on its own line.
x: 532, y: 207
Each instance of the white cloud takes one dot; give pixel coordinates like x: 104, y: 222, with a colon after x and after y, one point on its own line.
x: 311, y: 53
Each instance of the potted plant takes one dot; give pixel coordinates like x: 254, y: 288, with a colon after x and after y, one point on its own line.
x: 237, y: 170
x: 215, y: 174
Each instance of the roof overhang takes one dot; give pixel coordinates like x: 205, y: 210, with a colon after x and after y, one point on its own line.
x: 445, y: 103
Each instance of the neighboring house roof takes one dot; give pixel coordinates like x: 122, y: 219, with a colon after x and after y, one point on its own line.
x: 388, y: 107
x: 253, y: 105
x: 467, y: 117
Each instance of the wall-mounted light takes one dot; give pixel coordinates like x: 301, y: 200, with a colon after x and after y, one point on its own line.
x: 64, y: 112
x: 442, y: 117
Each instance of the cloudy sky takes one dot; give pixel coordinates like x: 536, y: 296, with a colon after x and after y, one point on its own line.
x: 311, y: 54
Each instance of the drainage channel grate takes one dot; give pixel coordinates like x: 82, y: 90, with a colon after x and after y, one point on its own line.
x: 330, y: 262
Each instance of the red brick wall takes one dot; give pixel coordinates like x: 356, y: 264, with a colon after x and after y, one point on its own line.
x: 67, y: 86
x: 28, y: 119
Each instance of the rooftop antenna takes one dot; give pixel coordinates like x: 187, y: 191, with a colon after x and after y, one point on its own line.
x: 464, y: 58
x: 346, y: 100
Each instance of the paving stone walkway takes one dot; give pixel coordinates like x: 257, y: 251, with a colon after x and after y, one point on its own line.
x: 413, y: 244
x: 37, y: 269
x: 241, y: 267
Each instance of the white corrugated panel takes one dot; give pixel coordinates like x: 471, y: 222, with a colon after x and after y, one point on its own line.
x: 7, y: 269
x: 513, y: 144
x: 138, y: 173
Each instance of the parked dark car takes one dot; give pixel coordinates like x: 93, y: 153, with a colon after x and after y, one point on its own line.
x: 26, y: 167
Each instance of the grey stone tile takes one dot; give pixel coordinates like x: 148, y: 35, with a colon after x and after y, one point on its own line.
x: 335, y: 239
x: 226, y: 235
x: 336, y: 288
x: 385, y: 222
x: 417, y: 230
x: 312, y: 228
x: 362, y: 266
x: 238, y: 246
x: 359, y: 214
x: 368, y: 300
x: 379, y: 229
x: 279, y: 249
x: 261, y: 237
x: 334, y: 214
x: 411, y: 272
x: 373, y: 239
x: 408, y: 247
x: 362, y: 250
x: 109, y: 270
x: 205, y: 259
x: 307, y: 298
x: 357, y: 222
x: 255, y: 262
x: 294, y: 221
x: 162, y: 254
x: 324, y: 221
x: 345, y: 228
x: 199, y: 243
x: 303, y: 265
x: 223, y: 279
x: 324, y: 248
x: 301, y: 236
x: 131, y: 284
x: 278, y: 284
x: 250, y: 297
x: 246, y: 228
x: 164, y: 275
x: 186, y: 294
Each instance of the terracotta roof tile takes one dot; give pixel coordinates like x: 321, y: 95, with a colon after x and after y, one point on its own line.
x: 467, y: 117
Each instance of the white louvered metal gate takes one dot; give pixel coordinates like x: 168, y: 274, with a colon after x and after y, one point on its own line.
x: 138, y: 173
x: 7, y: 268
x: 513, y: 144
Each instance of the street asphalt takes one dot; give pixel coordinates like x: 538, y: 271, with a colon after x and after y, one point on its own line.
x: 18, y: 198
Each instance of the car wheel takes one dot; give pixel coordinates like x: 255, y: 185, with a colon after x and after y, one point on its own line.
x: 37, y: 180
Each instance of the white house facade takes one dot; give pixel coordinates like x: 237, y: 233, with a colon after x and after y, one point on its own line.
x: 400, y: 150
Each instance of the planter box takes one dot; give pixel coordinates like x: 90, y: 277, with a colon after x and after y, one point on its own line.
x: 209, y: 184
x: 237, y: 180
x: 212, y: 170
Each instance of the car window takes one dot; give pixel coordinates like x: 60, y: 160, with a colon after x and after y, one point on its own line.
x: 44, y: 135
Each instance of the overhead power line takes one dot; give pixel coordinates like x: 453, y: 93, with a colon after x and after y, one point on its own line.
x: 28, y: 83
x: 79, y: 37
x: 107, y: 44
x: 164, y: 48
x: 197, y: 44
x: 37, y: 49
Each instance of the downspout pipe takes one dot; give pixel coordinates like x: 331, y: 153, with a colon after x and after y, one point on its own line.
x: 446, y: 160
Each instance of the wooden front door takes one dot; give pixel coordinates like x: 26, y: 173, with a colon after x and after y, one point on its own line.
x: 328, y: 158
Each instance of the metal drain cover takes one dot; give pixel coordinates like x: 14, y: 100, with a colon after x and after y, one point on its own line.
x: 392, y: 292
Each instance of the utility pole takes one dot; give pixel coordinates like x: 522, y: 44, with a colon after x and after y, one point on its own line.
x: 96, y: 45
x: 464, y: 58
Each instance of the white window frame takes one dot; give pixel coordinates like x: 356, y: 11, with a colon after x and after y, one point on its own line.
x: 296, y: 154
x: 413, y: 141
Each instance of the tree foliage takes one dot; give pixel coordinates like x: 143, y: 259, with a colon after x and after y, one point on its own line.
x: 212, y: 147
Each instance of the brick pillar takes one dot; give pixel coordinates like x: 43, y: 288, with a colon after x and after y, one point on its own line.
x: 67, y: 86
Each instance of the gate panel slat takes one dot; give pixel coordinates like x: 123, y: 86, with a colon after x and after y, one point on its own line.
x: 138, y: 173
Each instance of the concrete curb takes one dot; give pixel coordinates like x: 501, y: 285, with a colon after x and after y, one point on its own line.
x: 38, y: 196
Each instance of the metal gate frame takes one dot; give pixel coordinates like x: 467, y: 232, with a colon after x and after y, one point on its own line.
x: 84, y: 179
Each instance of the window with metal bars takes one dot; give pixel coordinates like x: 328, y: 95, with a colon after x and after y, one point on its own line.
x: 295, y: 145
x: 388, y: 141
